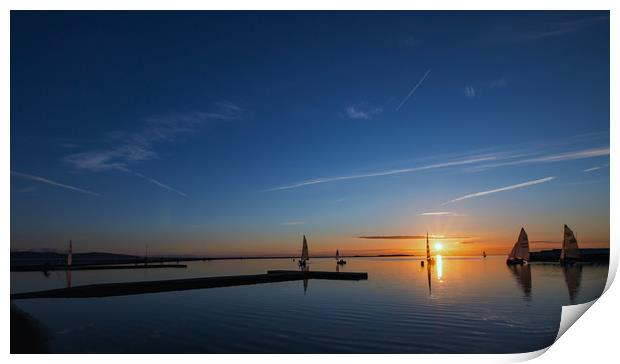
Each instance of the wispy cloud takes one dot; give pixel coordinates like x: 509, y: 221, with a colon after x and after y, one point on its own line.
x: 357, y: 113
x: 128, y: 148
x: 440, y: 213
x: 475, y: 159
x: 596, y: 168
x: 470, y: 92
x: 158, y: 183
x: 501, y: 189
x: 484, y: 160
x: 413, y: 90
x: 538, y: 27
x: 550, y: 158
x: 293, y: 223
x: 53, y: 183
x: 409, y: 41
x: 580, y: 154
x: 498, y: 83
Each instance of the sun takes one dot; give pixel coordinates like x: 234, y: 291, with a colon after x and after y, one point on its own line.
x: 439, y: 246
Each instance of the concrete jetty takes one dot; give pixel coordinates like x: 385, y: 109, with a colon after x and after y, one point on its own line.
x: 589, y: 255
x: 130, y: 288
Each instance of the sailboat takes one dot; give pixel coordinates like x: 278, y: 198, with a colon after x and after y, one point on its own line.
x: 69, y: 263
x: 428, y: 251
x: 570, y: 249
x: 520, y: 252
x: 338, y: 260
x: 304, y: 254
x: 70, y: 254
x: 484, y: 254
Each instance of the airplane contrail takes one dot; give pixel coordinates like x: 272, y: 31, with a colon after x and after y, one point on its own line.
x: 413, y: 90
x: 475, y: 159
x: 53, y: 183
x: 507, y: 188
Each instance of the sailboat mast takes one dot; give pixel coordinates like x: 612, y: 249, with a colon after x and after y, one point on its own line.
x: 70, y: 254
x: 428, y: 249
x: 304, y: 250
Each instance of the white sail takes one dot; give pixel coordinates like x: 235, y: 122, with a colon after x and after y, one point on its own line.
x: 570, y: 249
x: 521, y: 249
x: 70, y: 254
x: 304, y: 250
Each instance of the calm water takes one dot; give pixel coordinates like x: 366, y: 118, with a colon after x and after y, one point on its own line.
x: 460, y: 305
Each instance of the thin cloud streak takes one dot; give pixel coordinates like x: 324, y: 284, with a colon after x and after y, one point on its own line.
x: 507, y: 188
x: 53, y: 183
x: 160, y: 184
x: 440, y: 213
x: 551, y: 158
x: 357, y: 113
x: 413, y: 90
x: 385, y: 173
x: 138, y: 146
x: 293, y: 223
x: 500, y: 159
x: 537, y: 28
x: 596, y: 168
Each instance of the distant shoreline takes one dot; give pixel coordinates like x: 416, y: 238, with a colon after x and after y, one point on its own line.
x: 26, y: 261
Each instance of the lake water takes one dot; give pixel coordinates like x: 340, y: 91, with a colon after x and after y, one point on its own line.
x: 458, y: 305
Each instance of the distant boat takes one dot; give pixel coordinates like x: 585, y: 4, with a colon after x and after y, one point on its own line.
x: 428, y: 251
x: 70, y: 254
x: 570, y: 249
x: 520, y: 252
x: 69, y: 263
x: 484, y: 254
x: 304, y: 254
x: 338, y: 260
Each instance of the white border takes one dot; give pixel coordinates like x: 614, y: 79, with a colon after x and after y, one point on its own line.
x: 592, y: 339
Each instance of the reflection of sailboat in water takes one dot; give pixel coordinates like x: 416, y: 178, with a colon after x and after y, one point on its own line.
x: 305, y: 285
x: 439, y: 271
x: 428, y: 272
x: 523, y: 275
x: 572, y: 276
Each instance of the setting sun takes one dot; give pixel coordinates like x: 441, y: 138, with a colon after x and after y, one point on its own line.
x: 439, y: 245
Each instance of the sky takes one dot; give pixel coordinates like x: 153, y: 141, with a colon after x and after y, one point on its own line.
x: 235, y: 133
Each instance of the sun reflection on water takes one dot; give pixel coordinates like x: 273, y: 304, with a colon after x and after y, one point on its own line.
x: 439, y: 266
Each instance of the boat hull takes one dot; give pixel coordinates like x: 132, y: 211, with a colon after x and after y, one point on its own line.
x: 515, y: 261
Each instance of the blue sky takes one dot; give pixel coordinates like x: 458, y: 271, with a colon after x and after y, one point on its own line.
x: 235, y: 133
